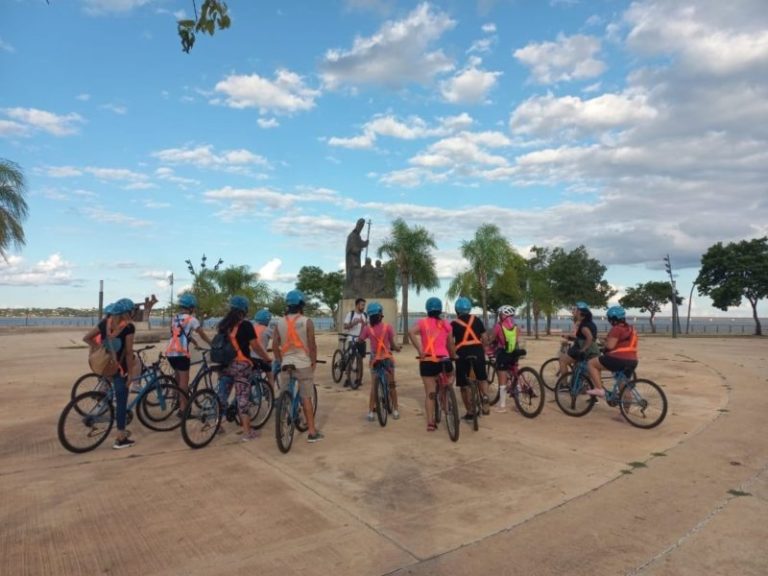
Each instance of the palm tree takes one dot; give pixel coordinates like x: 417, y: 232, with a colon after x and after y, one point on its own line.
x: 487, y: 254
x: 13, y: 207
x: 409, y: 250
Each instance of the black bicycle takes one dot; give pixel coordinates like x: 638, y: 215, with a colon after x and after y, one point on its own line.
x: 347, y: 360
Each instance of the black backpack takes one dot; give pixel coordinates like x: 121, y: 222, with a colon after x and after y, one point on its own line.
x: 222, y: 349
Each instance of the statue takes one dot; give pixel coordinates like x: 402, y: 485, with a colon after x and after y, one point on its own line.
x: 367, y: 281
x: 355, y: 245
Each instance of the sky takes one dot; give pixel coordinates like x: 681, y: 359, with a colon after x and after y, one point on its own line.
x: 637, y: 129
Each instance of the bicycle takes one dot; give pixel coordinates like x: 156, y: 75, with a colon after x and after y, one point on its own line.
x: 383, y: 398
x: 641, y: 402
x: 445, y: 400
x: 475, y: 396
x: 347, y: 359
x: 550, y: 370
x: 290, y: 411
x: 526, y: 388
x: 493, y: 384
x: 91, y: 414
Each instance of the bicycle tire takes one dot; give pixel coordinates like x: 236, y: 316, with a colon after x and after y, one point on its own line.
x: 284, y: 422
x: 635, y: 411
x: 89, y: 412
x: 452, y: 414
x: 381, y: 399
x: 159, y: 406
x: 475, y: 402
x: 266, y: 404
x: 438, y: 415
x: 550, y: 373
x: 574, y: 404
x: 355, y: 371
x: 301, y: 422
x: 494, y: 393
x: 490, y: 368
x: 148, y: 378
x: 208, y: 378
x: 202, y: 418
x: 90, y: 382
x: 529, y: 392
x: 337, y: 366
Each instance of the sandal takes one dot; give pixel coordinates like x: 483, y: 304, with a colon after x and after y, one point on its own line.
x: 431, y: 427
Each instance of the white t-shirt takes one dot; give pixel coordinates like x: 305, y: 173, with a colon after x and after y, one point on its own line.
x: 353, y: 315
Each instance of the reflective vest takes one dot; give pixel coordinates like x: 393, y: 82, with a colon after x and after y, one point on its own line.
x: 233, y: 339
x: 175, y: 346
x: 292, y: 338
x: 510, y: 338
x: 429, y: 350
x: 470, y: 338
x: 382, y: 350
x: 631, y: 347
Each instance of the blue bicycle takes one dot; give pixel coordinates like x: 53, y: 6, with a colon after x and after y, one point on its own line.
x: 290, y: 413
x: 383, y: 398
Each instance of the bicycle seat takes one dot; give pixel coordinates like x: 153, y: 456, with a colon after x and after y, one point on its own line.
x: 287, y: 367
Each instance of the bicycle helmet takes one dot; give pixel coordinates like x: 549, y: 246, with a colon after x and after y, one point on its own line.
x: 187, y: 300
x: 109, y: 309
x: 616, y: 313
x: 506, y: 310
x: 122, y: 306
x: 263, y: 317
x: 294, y: 298
x: 434, y: 305
x: 374, y: 308
x: 239, y: 303
x: 583, y: 306
x: 463, y: 305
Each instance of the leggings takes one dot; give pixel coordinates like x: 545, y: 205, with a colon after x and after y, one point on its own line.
x: 121, y: 399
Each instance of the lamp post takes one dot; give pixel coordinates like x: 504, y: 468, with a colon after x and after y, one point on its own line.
x: 690, y: 298
x: 668, y: 267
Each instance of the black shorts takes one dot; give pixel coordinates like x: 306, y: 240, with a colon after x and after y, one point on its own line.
x: 462, y: 370
x: 180, y: 363
x: 618, y: 364
x: 361, y: 348
x: 429, y: 369
x: 505, y: 360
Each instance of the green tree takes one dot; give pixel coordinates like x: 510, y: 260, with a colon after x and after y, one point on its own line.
x: 649, y: 297
x: 326, y: 287
x: 213, y: 14
x: 13, y: 206
x: 735, y: 271
x: 409, y: 250
x: 213, y: 287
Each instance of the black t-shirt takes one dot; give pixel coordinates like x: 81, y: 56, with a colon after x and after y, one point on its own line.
x: 245, y: 333
x: 124, y: 333
x: 458, y: 335
x: 589, y: 325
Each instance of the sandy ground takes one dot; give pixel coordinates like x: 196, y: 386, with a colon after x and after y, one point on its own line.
x: 553, y: 495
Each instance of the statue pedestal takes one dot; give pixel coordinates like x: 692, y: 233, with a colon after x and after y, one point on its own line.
x: 388, y: 304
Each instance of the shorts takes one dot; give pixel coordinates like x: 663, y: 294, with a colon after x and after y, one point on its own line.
x: 462, y: 370
x: 179, y: 363
x: 304, y: 379
x: 614, y: 364
x: 429, y: 369
x: 361, y: 348
x: 505, y: 360
x: 575, y: 352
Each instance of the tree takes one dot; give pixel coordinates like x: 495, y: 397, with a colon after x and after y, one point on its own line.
x: 213, y: 287
x: 409, y: 249
x: 324, y: 287
x: 738, y: 270
x: 13, y: 207
x: 213, y: 14
x: 649, y: 297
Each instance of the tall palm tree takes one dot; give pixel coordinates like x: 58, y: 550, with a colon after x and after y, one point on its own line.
x: 487, y: 254
x: 409, y: 250
x: 13, y: 207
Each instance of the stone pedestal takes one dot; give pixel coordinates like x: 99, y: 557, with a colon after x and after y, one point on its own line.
x: 388, y: 304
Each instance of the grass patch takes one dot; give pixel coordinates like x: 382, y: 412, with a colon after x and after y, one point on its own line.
x: 636, y: 465
x: 723, y: 410
x: 625, y: 471
x: 659, y: 454
x: 733, y: 492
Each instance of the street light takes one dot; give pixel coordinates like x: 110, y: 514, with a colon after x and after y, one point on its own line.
x: 668, y: 268
x: 690, y: 298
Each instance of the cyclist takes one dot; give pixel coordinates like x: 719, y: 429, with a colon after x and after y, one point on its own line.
x: 382, y: 338
x: 506, y: 341
x: 354, y: 322
x: 177, y: 351
x: 620, y: 350
x: 293, y: 342
x: 468, y: 331
x: 239, y: 370
x: 263, y: 328
x: 432, y: 337
x: 117, y: 330
x: 584, y: 343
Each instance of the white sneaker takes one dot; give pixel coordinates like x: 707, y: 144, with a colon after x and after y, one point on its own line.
x: 396, y: 414
x: 501, y: 409
x: 371, y: 416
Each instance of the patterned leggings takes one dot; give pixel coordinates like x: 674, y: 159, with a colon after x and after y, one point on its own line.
x: 239, y: 374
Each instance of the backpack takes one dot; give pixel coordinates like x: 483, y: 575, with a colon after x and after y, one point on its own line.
x: 103, y: 361
x: 222, y: 349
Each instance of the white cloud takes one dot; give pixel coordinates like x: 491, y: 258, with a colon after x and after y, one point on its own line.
x: 116, y: 108
x: 83, y: 97
x: 103, y: 216
x: 205, y: 157
x: 102, y: 7
x: 267, y: 123
x: 11, y: 129
x: 286, y: 94
x: 119, y: 174
x: 34, y: 119
x: 168, y: 175
x: 489, y: 28
x: 570, y: 58
x: 398, y: 54
x: 271, y: 271
x: 54, y: 270
x: 470, y: 85
x: 62, y: 171
x: 361, y: 142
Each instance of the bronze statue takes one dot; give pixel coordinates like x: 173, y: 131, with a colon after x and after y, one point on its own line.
x: 355, y: 245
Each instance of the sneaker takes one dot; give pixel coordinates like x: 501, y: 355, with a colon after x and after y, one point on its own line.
x: 252, y: 435
x: 501, y: 409
x: 396, y: 414
x: 123, y: 443
x: 371, y: 416
x: 316, y: 437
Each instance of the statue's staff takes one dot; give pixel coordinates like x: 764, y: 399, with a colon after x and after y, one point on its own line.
x: 367, y: 238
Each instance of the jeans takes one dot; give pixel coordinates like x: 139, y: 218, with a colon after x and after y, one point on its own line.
x: 121, y: 399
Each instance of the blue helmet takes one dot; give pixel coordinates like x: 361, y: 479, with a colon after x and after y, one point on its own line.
x: 616, y: 313
x: 122, y: 306
x: 434, y: 305
x: 239, y: 303
x: 294, y: 298
x: 263, y: 317
x: 109, y: 309
x: 374, y: 308
x: 583, y: 306
x: 188, y: 300
x: 463, y: 305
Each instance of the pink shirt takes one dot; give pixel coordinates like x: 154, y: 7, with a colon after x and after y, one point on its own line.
x: 382, y: 339
x: 434, y: 334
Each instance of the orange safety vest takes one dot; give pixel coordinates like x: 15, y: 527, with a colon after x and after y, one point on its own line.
x: 292, y: 339
x: 233, y: 339
x: 470, y: 338
x: 382, y: 352
x: 429, y: 349
x: 631, y: 347
x: 174, y: 346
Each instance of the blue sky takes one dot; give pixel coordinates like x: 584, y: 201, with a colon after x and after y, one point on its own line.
x: 637, y: 129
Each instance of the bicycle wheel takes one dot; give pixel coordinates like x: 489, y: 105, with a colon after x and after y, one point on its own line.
x: 451, y: 413
x: 529, y: 393
x: 337, y: 366
x: 476, y: 403
x: 643, y: 403
x: 550, y: 372
x: 151, y: 376
x: 574, y: 400
x: 490, y: 368
x: 493, y: 384
x: 159, y: 406
x: 266, y: 404
x: 90, y: 382
x: 301, y: 422
x: 284, y: 422
x: 355, y: 371
x: 86, y: 422
x: 437, y: 408
x: 201, y: 419
x: 208, y: 379
x: 381, y: 399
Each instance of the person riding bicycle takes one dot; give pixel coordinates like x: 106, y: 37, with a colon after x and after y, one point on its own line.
x: 432, y: 337
x: 354, y: 322
x: 177, y: 351
x: 239, y: 370
x: 117, y: 330
x: 584, y: 344
x: 506, y: 341
x: 293, y: 342
x: 468, y: 334
x: 619, y: 351
x: 382, y: 338
x: 263, y: 328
